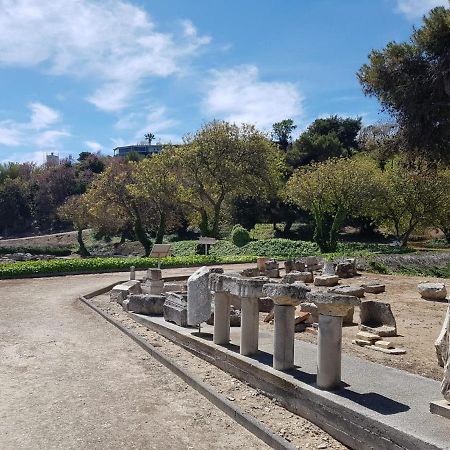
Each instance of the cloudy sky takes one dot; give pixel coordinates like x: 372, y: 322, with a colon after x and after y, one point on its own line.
x: 93, y: 74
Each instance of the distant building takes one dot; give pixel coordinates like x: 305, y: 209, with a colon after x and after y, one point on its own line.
x: 52, y: 159
x: 142, y: 149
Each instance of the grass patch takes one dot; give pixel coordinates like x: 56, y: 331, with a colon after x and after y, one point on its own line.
x: 430, y: 271
x: 93, y: 265
x: 55, y: 251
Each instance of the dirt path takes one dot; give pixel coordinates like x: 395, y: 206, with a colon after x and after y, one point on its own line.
x: 71, y: 380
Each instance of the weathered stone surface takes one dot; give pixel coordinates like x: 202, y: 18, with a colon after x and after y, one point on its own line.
x: 171, y: 287
x: 175, y: 308
x: 152, y: 287
x: 265, y: 304
x: 389, y: 351
x: 441, y: 408
x: 286, y: 294
x: 145, y: 304
x: 154, y: 274
x: 346, y: 269
x: 132, y: 273
x: 374, y: 287
x: 303, y: 277
x: 384, y: 344
x: 261, y: 263
x: 312, y: 309
x: 120, y: 292
x: 377, y: 318
x: 330, y: 304
x: 367, y: 336
x: 348, y: 318
x: 235, y: 318
x: 432, y: 291
x: 357, y: 291
x: 252, y: 272
x: 326, y: 280
x: 442, y: 343
x: 199, y: 295
x: 328, y: 268
x: 288, y: 266
x: 237, y: 286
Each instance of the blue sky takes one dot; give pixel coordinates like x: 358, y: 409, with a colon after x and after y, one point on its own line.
x: 90, y: 75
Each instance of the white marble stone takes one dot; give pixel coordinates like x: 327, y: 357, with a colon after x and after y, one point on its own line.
x: 432, y: 291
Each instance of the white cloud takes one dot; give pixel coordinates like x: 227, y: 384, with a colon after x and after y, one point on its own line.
x: 94, y: 146
x: 238, y: 95
x: 36, y: 132
x: 36, y: 157
x: 111, y: 42
x: 414, y: 9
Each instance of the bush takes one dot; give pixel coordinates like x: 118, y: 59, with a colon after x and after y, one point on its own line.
x: 93, y: 265
x: 239, y: 236
x: 55, y: 251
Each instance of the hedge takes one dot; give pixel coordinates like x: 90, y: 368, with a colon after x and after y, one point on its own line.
x: 93, y: 265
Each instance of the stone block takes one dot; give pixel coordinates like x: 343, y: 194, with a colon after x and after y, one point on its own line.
x: 235, y: 318
x: 328, y: 268
x: 377, y: 318
x: 346, y: 269
x: 303, y: 277
x: 348, y: 318
x: 175, y: 308
x: 265, y: 304
x: 326, y: 280
x: 252, y: 272
x: 199, y: 295
x: 288, y: 266
x: 154, y: 274
x: 440, y: 408
x: 272, y: 273
x: 313, y: 311
x: 261, y: 263
x: 384, y: 344
x: 357, y: 291
x: 367, y: 336
x: 363, y: 342
x: 145, y: 304
x: 121, y: 291
x: 442, y: 342
x: 330, y: 304
x: 374, y: 287
x: 432, y: 291
x: 271, y: 264
x: 301, y: 316
x: 171, y: 287
x: 153, y: 287
x: 286, y: 294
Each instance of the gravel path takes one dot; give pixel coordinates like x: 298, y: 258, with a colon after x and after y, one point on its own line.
x: 71, y: 380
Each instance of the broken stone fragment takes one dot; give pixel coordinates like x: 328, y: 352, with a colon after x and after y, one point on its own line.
x: 384, y: 344
x: 377, y: 318
x: 121, y: 291
x: 326, y: 280
x: 432, y: 291
x: 294, y: 276
x: 357, y: 291
x: 145, y: 304
x: 373, y: 287
x: 442, y: 342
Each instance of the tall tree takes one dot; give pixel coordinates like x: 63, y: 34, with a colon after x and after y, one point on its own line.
x: 149, y: 137
x: 282, y: 133
x: 412, y: 82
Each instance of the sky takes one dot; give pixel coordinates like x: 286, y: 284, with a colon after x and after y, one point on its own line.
x: 90, y: 75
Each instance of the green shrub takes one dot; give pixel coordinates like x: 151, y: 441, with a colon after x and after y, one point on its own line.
x: 239, y: 236
x: 55, y: 251
x: 262, y: 231
x: 30, y: 268
x: 378, y: 267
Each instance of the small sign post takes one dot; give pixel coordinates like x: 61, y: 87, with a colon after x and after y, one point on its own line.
x: 160, y: 251
x: 206, y: 241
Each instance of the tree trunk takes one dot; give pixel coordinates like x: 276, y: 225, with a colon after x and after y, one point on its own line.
x: 141, y: 236
x: 319, y: 231
x: 161, y: 229
x: 122, y: 238
x: 204, y: 223
x: 216, y: 220
x: 335, y: 227
x: 83, y: 251
x: 446, y: 231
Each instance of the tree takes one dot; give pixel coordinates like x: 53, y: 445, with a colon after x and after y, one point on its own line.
x: 75, y: 210
x: 409, y: 195
x: 331, y: 191
x: 442, y: 213
x: 220, y: 163
x: 149, y: 137
x: 155, y: 181
x: 411, y: 80
x: 282, y: 133
x: 327, y: 138
x: 113, y: 207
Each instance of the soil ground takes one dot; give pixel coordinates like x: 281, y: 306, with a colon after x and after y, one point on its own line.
x: 70, y: 380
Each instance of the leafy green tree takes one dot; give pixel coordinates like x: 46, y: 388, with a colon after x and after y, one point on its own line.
x: 220, y: 163
x: 282, y: 133
x: 412, y: 82
x: 75, y: 210
x: 442, y: 213
x: 332, y: 191
x: 327, y: 138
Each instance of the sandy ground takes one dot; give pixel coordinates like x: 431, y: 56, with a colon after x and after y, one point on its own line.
x: 70, y: 380
x: 418, y: 325
x: 66, y: 239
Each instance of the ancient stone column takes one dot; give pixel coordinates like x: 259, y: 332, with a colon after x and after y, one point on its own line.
x: 221, y: 318
x: 285, y: 297
x: 132, y: 273
x: 249, y: 325
x: 332, y: 308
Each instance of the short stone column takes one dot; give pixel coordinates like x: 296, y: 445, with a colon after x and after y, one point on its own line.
x: 132, y: 273
x: 332, y: 308
x: 285, y: 297
x: 221, y: 318
x: 249, y: 325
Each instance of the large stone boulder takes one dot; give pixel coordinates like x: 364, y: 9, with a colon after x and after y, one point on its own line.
x: 432, y: 291
x: 374, y: 287
x: 145, y: 304
x: 326, y: 280
x: 346, y: 269
x: 175, y: 308
x: 199, y: 295
x: 357, y: 291
x: 121, y: 291
x: 292, y: 277
x: 377, y: 318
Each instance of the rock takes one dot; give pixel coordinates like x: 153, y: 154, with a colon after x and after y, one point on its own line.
x: 377, y: 318
x: 328, y: 268
x: 272, y: 273
x: 363, y: 342
x: 154, y: 274
x: 199, y: 295
x: 367, y: 336
x: 301, y: 316
x: 265, y: 304
x: 171, y: 287
x: 303, y: 277
x: 346, y: 269
x: 357, y: 291
x: 235, y: 318
x: 286, y: 294
x: 312, y: 309
x: 326, y: 280
x: 348, y: 318
x: 390, y: 351
x: 152, y: 287
x: 145, y: 304
x: 175, y: 308
x: 288, y: 266
x: 330, y: 304
x: 261, y: 263
x: 269, y: 317
x: 432, y: 291
x: 300, y: 327
x: 384, y: 344
x: 121, y: 291
x: 374, y: 287
x: 253, y: 272
x: 442, y: 342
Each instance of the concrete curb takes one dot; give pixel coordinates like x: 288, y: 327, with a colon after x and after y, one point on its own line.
x: 248, y: 422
